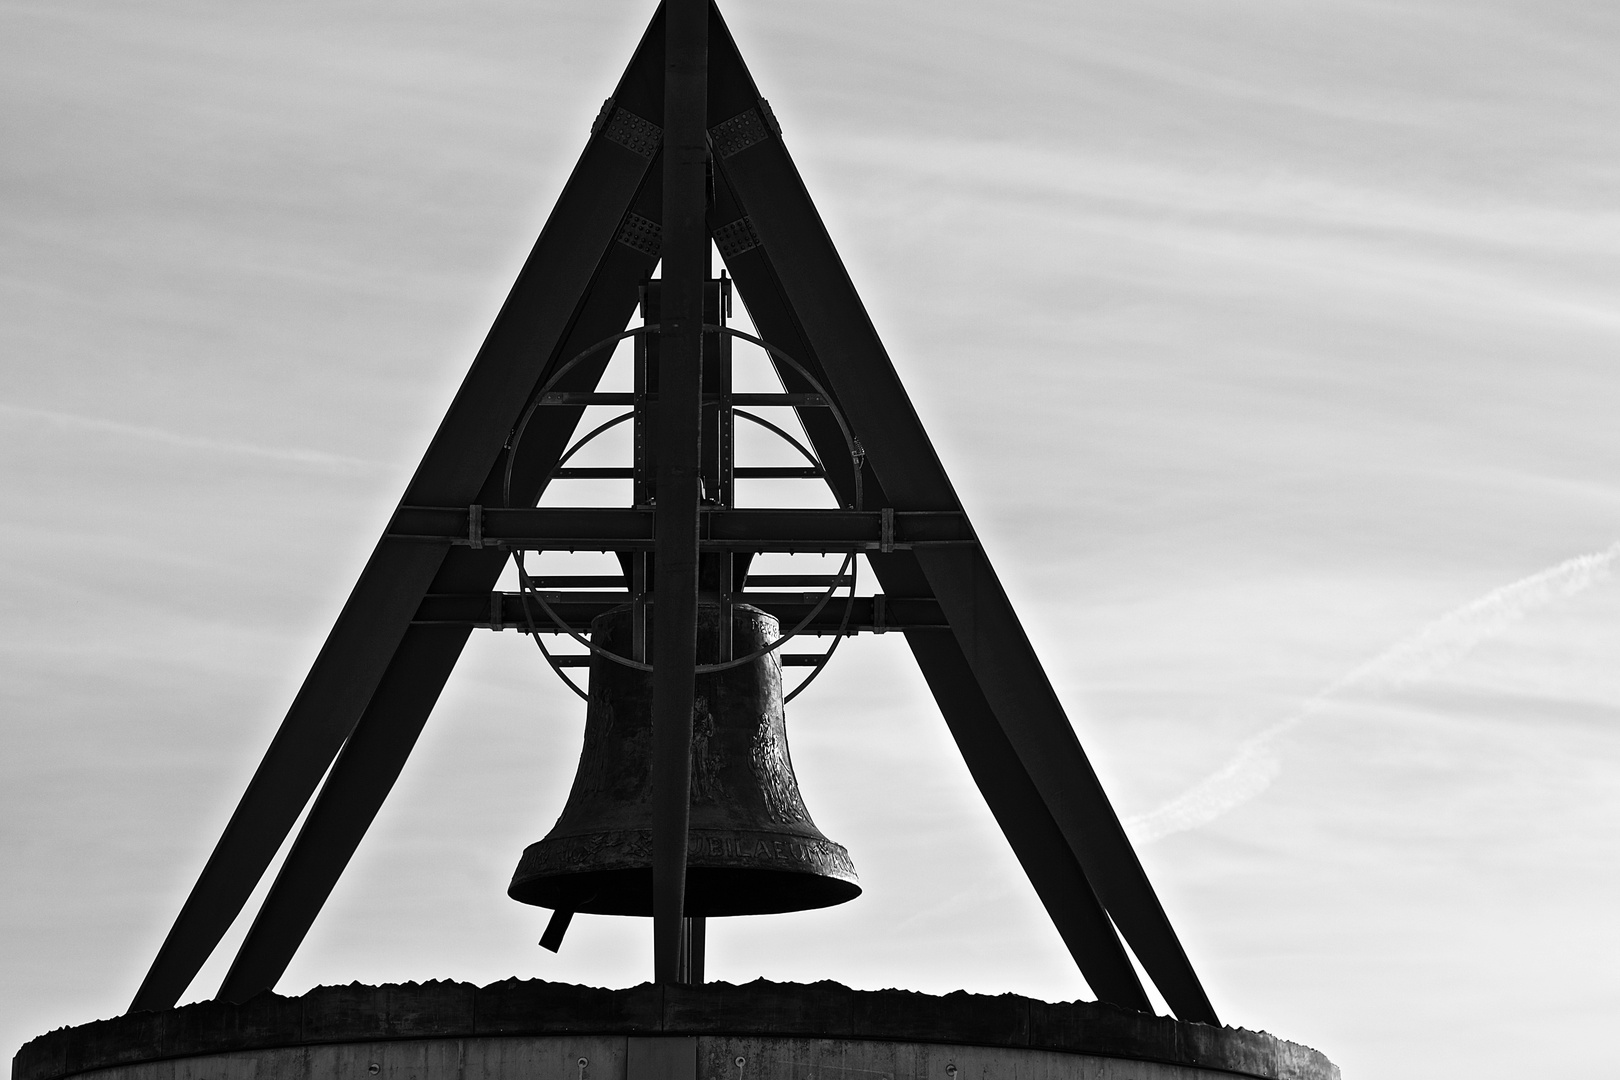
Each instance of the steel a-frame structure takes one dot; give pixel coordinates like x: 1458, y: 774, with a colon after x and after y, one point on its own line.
x: 685, y: 151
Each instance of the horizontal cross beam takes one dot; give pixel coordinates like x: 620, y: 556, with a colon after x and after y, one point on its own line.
x: 741, y: 472
x: 583, y: 660
x: 604, y: 397
x: 505, y: 611
x: 722, y: 529
x: 617, y: 581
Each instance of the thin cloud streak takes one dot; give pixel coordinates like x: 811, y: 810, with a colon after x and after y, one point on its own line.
x: 1487, y: 255
x: 339, y: 463
x: 1447, y: 639
x: 1307, y: 195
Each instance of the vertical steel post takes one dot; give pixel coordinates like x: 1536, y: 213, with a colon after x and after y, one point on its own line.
x: 679, y: 426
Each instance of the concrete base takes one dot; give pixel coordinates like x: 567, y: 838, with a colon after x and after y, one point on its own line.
x: 761, y: 1031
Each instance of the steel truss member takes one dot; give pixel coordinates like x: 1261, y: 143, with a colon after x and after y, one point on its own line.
x: 684, y: 153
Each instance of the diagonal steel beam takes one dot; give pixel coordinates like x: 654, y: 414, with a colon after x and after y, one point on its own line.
x: 780, y: 220
x: 354, y: 662
x: 371, y: 760
x: 1039, y: 845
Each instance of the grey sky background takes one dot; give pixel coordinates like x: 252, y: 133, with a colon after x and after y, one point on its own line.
x: 1266, y: 344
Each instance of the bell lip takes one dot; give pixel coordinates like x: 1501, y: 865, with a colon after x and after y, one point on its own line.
x: 711, y: 891
x: 801, y: 849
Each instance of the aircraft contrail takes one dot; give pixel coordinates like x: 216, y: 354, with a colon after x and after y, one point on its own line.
x: 291, y: 455
x: 1255, y: 764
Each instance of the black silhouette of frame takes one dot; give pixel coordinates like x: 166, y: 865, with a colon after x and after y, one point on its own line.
x: 371, y: 689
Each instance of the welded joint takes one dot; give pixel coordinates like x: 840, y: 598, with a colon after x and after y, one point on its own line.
x: 886, y: 530
x: 475, y: 526
x: 497, y: 611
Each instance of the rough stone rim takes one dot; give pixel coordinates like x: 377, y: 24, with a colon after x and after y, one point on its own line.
x: 447, y: 1010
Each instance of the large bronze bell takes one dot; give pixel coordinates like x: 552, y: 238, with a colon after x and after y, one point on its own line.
x: 752, y: 848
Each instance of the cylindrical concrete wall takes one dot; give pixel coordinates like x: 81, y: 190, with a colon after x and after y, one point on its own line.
x: 761, y: 1031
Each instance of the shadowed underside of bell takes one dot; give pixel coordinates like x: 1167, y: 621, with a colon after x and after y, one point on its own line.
x: 752, y: 848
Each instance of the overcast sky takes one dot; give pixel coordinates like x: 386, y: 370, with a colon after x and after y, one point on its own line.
x: 1271, y: 346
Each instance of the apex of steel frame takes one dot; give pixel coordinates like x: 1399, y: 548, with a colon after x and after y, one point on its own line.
x: 713, y: 573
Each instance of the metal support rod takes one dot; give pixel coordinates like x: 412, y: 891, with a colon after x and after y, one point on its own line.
x: 693, y: 942
x: 677, y: 485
